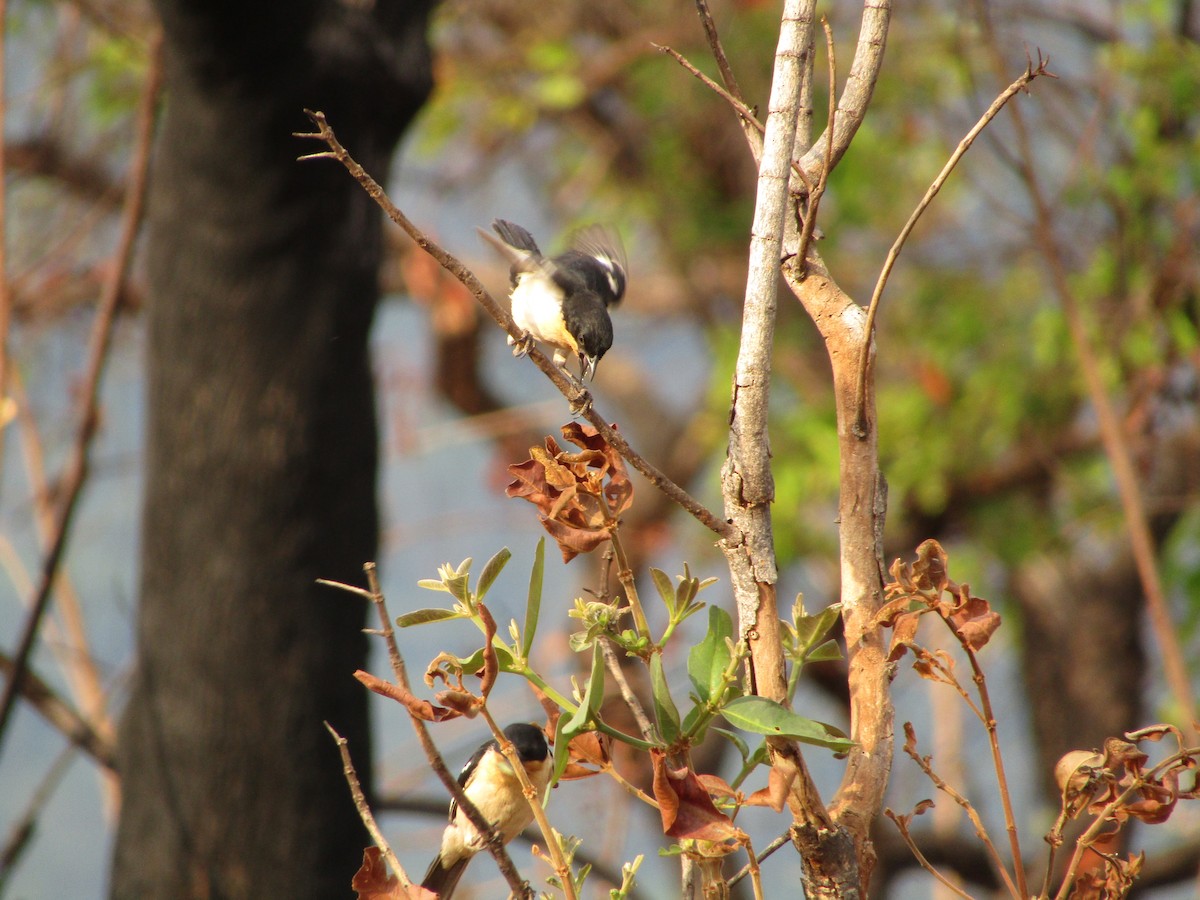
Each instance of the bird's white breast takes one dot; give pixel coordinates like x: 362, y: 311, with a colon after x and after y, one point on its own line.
x: 537, y: 308
x: 507, y: 805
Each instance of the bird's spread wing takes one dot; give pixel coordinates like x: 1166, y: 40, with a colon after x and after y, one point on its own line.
x: 468, y: 769
x: 602, y: 244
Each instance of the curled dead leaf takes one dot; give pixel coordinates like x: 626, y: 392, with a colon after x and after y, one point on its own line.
x: 417, y: 708
x: 1077, y: 774
x: 688, y: 812
x: 372, y: 881
x: 973, y: 619
x: 579, y: 496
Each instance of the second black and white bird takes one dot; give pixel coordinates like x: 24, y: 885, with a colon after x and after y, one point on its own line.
x: 563, y: 301
x: 490, y: 783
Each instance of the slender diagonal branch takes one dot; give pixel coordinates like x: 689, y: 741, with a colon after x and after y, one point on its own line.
x: 77, y: 465
x: 1112, y: 436
x: 503, y: 861
x: 557, y: 376
x: 960, y: 151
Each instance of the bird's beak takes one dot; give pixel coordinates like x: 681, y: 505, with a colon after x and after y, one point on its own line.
x: 587, y: 366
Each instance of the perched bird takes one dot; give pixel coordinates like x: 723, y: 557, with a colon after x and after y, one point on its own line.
x: 563, y: 301
x: 491, y: 784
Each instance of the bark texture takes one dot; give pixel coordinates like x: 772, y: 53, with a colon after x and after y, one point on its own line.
x: 261, y: 448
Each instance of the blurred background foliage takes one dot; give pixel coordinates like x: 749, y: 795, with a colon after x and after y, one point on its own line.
x: 989, y: 441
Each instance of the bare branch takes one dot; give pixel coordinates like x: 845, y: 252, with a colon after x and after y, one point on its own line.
x: 860, y: 84
x: 572, y: 391
x: 77, y: 464
x: 364, y: 809
x: 964, y: 145
x: 1112, y: 435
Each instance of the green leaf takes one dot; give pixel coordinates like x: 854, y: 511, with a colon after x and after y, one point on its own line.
x: 458, y: 586
x: 827, y: 652
x: 708, y: 660
x: 759, y: 715
x: 533, y: 605
x: 474, y: 663
x: 562, y: 755
x: 433, y: 584
x: 664, y: 706
x: 425, y: 616
x: 811, y: 629
x: 666, y: 590
x: 593, y: 696
x: 491, y: 569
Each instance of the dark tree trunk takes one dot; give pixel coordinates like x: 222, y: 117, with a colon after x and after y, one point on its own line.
x: 261, y: 448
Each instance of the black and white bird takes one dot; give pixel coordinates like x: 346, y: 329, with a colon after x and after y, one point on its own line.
x: 491, y: 784
x: 563, y: 301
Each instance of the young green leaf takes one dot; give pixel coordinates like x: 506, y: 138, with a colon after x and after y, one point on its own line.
x: 458, y: 586
x: 562, y: 755
x: 812, y: 629
x: 533, y: 604
x: 664, y: 707
x: 666, y: 590
x: 474, y: 663
x: 759, y: 715
x: 491, y: 569
x: 433, y: 584
x: 593, y: 695
x: 826, y: 652
x: 425, y: 616
x: 708, y: 660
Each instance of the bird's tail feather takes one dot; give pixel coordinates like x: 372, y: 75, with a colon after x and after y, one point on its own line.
x: 443, y: 879
x: 515, y: 236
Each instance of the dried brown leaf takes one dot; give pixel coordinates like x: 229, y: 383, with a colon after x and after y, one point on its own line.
x: 929, y: 571
x: 579, y: 496
x: 372, y: 881
x: 973, y: 619
x: 688, y: 812
x: 903, y: 634
x: 418, y: 708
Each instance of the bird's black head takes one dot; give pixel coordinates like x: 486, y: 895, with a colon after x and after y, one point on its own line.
x: 529, y: 740
x: 588, y: 321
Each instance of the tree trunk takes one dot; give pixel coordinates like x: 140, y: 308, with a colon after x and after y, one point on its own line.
x: 261, y: 448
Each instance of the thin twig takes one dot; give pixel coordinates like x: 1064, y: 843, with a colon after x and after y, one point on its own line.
x: 559, y: 861
x: 780, y: 841
x: 77, y: 465
x: 751, y: 127
x: 980, y: 831
x: 557, y: 376
x: 503, y: 861
x: 645, y: 726
x: 364, y: 808
x: 922, y: 859
x: 718, y: 52
x: 745, y: 113
x: 1116, y: 446
x: 989, y: 722
x: 889, y: 262
x: 625, y: 576
x: 65, y: 718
